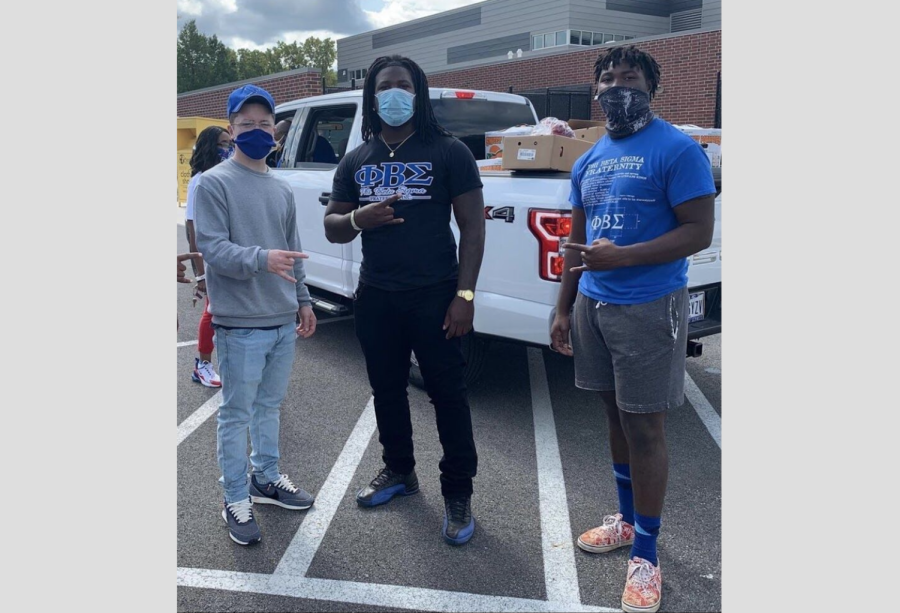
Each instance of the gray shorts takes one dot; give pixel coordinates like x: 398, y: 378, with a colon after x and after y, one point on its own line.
x: 636, y: 350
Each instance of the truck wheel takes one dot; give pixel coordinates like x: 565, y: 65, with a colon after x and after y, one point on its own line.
x: 474, y: 351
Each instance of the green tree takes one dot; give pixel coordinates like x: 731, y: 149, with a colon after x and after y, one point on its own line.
x: 253, y: 63
x: 289, y: 56
x: 321, y: 54
x: 204, y: 61
x: 224, y: 64
x: 192, y: 57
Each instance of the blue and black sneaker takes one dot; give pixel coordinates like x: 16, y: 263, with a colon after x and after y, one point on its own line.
x: 242, y: 526
x: 282, y: 493
x: 459, y: 525
x: 387, y: 485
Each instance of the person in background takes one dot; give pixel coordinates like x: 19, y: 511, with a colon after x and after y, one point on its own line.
x: 273, y: 160
x: 213, y: 146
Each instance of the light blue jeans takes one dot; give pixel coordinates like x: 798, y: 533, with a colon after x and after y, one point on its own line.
x: 255, y: 367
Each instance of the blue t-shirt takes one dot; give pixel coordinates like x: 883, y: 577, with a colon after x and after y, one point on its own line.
x: 628, y: 188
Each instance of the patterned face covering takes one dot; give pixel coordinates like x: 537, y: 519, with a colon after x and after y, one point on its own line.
x: 627, y: 110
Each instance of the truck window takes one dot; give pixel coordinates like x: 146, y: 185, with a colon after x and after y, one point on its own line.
x: 468, y: 120
x: 325, y: 137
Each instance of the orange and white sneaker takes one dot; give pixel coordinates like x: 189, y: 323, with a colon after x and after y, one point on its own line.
x: 614, y: 533
x: 643, y: 587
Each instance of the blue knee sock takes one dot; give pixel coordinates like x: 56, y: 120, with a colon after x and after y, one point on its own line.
x: 626, y: 497
x: 646, y: 529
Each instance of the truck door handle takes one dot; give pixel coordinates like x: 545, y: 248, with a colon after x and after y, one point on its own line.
x: 324, y: 198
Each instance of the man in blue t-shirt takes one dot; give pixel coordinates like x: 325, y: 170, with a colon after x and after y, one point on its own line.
x: 642, y: 202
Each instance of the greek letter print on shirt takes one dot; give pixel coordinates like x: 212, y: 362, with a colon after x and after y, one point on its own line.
x: 410, y: 179
x: 422, y: 250
x: 628, y: 188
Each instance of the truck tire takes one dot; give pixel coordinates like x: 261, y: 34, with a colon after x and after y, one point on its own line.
x: 474, y: 350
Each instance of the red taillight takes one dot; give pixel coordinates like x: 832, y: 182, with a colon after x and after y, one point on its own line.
x: 465, y: 95
x: 551, y: 228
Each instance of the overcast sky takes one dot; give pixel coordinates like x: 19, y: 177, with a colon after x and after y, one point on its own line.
x: 259, y: 24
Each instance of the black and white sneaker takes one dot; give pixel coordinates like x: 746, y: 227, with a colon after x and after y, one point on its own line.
x: 242, y: 526
x: 282, y: 493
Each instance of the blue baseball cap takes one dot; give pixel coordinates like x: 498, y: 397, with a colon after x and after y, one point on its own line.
x: 249, y: 93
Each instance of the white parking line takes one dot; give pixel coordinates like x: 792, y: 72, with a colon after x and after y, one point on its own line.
x: 705, y: 412
x: 289, y: 577
x: 186, y: 344
x: 560, y: 572
x: 306, y: 542
x: 199, y: 416
x: 371, y: 594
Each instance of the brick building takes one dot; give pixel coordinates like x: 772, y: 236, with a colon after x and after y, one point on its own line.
x: 284, y: 87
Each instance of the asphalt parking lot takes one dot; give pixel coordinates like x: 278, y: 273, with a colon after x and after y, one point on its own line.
x: 544, y: 477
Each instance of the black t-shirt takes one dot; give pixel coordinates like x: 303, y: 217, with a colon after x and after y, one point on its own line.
x: 422, y: 250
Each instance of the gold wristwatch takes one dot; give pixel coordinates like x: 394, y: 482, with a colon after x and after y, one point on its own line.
x: 467, y: 294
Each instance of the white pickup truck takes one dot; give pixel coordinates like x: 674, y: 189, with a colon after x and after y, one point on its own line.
x: 526, y: 216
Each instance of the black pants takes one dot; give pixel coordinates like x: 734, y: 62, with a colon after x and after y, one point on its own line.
x: 391, y: 324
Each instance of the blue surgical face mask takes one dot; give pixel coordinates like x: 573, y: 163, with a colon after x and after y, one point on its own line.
x: 395, y: 106
x: 255, y: 144
x: 225, y: 152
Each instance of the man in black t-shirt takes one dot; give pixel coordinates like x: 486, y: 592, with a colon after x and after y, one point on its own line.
x: 397, y: 189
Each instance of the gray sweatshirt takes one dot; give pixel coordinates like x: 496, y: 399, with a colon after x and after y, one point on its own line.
x: 239, y: 215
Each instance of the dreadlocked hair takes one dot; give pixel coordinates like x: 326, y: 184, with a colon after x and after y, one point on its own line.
x: 632, y: 56
x: 424, y: 120
x: 206, y: 150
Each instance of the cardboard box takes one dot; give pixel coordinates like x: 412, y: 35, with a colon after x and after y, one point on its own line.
x: 588, y: 130
x: 579, y: 124
x: 490, y: 165
x: 543, y: 152
x: 591, y: 135
x: 493, y: 141
x: 710, y: 139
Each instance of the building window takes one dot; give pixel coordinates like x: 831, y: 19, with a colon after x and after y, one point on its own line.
x: 598, y: 38
x: 575, y: 37
x: 550, y: 39
x: 619, y: 37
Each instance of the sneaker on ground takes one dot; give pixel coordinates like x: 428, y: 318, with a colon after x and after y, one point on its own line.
x: 205, y: 373
x: 459, y: 525
x: 242, y: 526
x: 282, y: 493
x: 385, y: 486
x: 614, y: 533
x: 643, y: 587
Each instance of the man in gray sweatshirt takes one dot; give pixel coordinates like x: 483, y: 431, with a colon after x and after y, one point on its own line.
x: 247, y: 232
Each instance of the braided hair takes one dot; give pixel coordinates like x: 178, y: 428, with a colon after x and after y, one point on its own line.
x: 424, y: 120
x: 632, y: 56
x: 206, y: 150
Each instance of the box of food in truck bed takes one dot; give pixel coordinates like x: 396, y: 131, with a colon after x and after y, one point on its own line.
x: 490, y: 165
x: 542, y: 152
x: 709, y: 138
x: 591, y: 131
x: 493, y: 141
